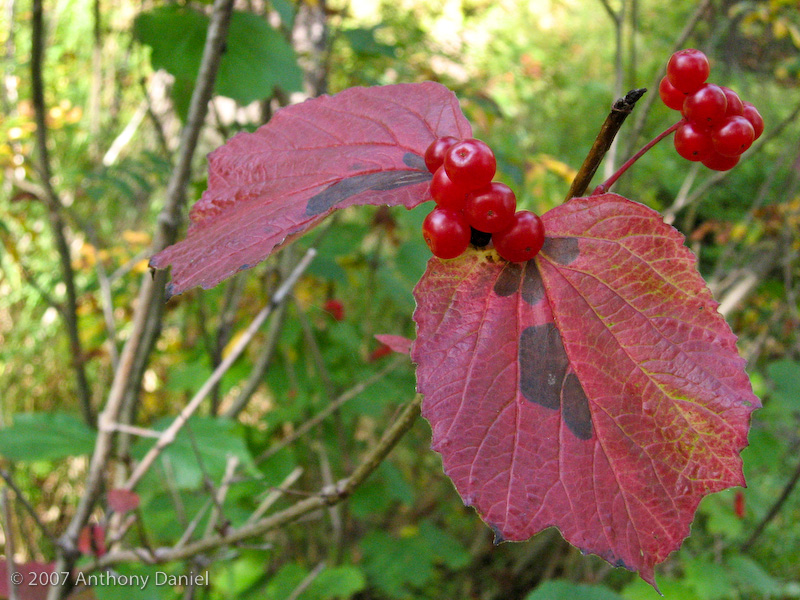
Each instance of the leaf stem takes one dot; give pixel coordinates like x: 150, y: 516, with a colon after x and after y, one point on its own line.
x: 603, y: 187
x: 619, y: 112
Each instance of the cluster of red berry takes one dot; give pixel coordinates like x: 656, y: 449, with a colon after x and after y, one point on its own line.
x: 470, y: 207
x: 717, y: 126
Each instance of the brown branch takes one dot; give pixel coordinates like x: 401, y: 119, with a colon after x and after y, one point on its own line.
x: 5, y: 512
x: 619, y: 112
x: 150, y: 299
x: 9, y: 479
x: 54, y: 210
x: 327, y: 496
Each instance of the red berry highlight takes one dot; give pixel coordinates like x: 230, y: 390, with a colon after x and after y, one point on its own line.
x: 445, y: 193
x: 470, y: 163
x: 693, y: 142
x: 706, y: 106
x: 522, y: 240
x: 751, y: 113
x: 733, y: 136
x: 670, y: 95
x: 434, y: 155
x: 490, y: 208
x: 446, y: 232
x: 717, y: 162
x: 687, y: 70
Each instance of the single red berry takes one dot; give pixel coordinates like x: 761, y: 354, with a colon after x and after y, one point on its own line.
x: 470, y: 163
x: 521, y: 240
x: 687, y: 70
x: 434, y: 155
x: 733, y: 136
x: 693, y: 142
x: 706, y: 106
x: 445, y: 193
x: 751, y: 113
x: 670, y: 95
x: 491, y: 207
x: 446, y: 232
x: 734, y: 105
x: 717, y: 162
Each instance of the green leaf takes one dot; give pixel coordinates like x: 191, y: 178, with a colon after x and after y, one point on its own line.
x: 751, y: 576
x: 786, y: 375
x: 284, y: 582
x: 213, y: 439
x: 338, y: 583
x: 257, y: 58
x: 561, y: 590
x: 46, y: 436
x: 710, y: 580
x: 447, y: 549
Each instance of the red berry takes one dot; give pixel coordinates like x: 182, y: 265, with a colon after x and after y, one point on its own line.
x: 490, y: 208
x: 434, y: 155
x: 735, y: 105
x: 446, y: 232
x: 706, y: 106
x: 717, y: 162
x: 693, y: 142
x: 670, y: 95
x: 522, y: 240
x: 733, y: 136
x: 470, y: 163
x: 687, y: 70
x: 751, y: 113
x: 445, y: 193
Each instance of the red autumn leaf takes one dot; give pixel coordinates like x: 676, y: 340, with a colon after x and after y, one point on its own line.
x: 335, y: 308
x: 396, y: 343
x: 92, y: 540
x: 595, y: 388
x: 122, y: 500
x: 31, y: 579
x: 361, y: 146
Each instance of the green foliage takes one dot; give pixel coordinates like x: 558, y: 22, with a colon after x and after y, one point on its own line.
x: 257, y: 59
x: 559, y: 590
x: 46, y: 436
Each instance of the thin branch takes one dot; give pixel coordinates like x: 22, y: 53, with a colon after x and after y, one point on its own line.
x: 5, y: 509
x: 620, y: 110
x: 307, y: 581
x: 774, y: 509
x: 332, y: 407
x: 325, y: 497
x: 222, y: 493
x: 274, y: 495
x: 70, y: 312
x: 150, y: 299
x: 9, y: 479
x: 172, y: 431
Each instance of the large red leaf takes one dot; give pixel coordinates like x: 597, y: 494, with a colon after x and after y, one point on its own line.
x: 595, y: 388
x: 361, y: 146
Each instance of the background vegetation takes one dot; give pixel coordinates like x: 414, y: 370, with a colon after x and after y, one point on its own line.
x: 536, y: 79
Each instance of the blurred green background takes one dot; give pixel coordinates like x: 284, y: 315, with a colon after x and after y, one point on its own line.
x: 536, y: 79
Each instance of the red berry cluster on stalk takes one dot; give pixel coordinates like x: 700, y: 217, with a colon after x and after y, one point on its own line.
x: 717, y: 126
x: 471, y: 208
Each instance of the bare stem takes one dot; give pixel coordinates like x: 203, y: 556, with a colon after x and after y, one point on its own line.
x: 774, y: 510
x: 54, y: 211
x: 603, y: 187
x: 171, y: 432
x: 619, y: 112
x: 327, y: 496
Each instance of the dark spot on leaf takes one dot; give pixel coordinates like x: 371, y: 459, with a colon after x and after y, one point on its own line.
x: 543, y: 363
x: 357, y: 167
x: 351, y: 186
x: 168, y: 291
x: 415, y: 161
x: 508, y: 281
x: 562, y: 250
x: 532, y: 286
x: 244, y: 267
x: 498, y: 535
x: 575, y: 408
